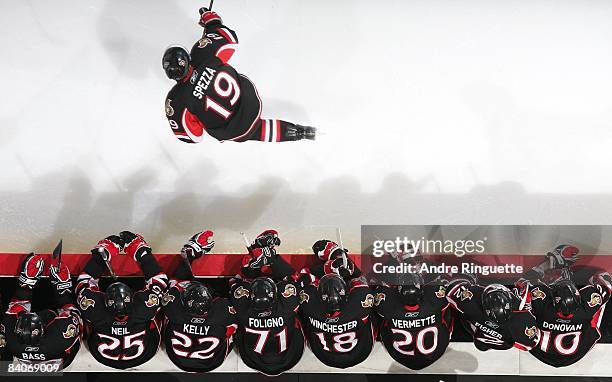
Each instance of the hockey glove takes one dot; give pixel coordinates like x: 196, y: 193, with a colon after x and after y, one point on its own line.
x: 31, y: 270
x: 261, y: 257
x: 563, y: 256
x: 199, y: 244
x: 268, y: 238
x: 108, y: 247
x: 135, y: 245
x: 337, y: 266
x: 60, y: 279
x: 207, y: 17
x: 326, y: 249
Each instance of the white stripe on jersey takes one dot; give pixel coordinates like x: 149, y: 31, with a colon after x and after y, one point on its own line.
x: 274, y: 132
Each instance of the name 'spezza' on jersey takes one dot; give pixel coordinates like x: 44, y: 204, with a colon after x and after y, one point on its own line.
x: 344, y: 338
x: 566, y: 339
x: 61, y: 340
x: 415, y: 336
x: 122, y: 343
x: 519, y: 331
x: 197, y: 343
x: 270, y: 341
x: 214, y: 98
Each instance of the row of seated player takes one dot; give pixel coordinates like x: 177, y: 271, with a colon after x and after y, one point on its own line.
x: 273, y: 311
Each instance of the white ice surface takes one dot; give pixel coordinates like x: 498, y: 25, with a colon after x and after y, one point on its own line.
x: 445, y: 112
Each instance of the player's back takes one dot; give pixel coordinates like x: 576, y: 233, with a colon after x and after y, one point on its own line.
x: 211, y: 93
x: 415, y: 336
x: 127, y: 342
x: 566, y: 339
x: 344, y: 338
x: 269, y: 341
x: 59, y: 345
x: 197, y: 343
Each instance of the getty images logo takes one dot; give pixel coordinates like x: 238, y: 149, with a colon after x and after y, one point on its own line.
x: 422, y: 245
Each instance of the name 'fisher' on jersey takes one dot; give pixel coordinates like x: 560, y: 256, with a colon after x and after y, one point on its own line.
x: 211, y: 97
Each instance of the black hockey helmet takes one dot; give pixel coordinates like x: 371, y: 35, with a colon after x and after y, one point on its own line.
x: 410, y: 288
x: 263, y: 294
x: 29, y: 328
x: 196, y: 298
x: 333, y: 291
x: 566, y: 297
x: 498, y: 303
x: 118, y: 299
x: 176, y: 62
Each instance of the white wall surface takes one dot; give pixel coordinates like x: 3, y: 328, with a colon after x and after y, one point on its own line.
x: 433, y: 112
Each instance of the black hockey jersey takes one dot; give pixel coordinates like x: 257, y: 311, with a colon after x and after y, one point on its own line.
x: 343, y: 339
x: 195, y: 343
x: 214, y: 98
x: 566, y: 339
x: 270, y: 342
x: 122, y: 343
x: 415, y: 336
x: 61, y: 340
x: 519, y: 331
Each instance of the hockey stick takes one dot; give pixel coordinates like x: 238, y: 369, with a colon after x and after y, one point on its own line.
x: 57, y: 254
x: 246, y: 240
x: 339, y: 238
x: 210, y: 5
x: 108, y: 266
x: 186, y: 260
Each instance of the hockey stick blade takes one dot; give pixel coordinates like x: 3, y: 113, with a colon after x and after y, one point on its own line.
x: 57, y: 253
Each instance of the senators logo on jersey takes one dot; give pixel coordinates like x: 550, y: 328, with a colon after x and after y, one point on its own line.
x: 595, y: 300
x: 531, y: 332
x: 304, y: 297
x: 289, y: 291
x: 152, y: 301
x: 466, y: 295
x: 203, y: 42
x: 70, y: 332
x: 537, y: 293
x: 167, y: 298
x: 441, y: 293
x: 368, y: 302
x: 380, y: 297
x: 85, y: 302
x: 241, y: 292
x: 169, y: 108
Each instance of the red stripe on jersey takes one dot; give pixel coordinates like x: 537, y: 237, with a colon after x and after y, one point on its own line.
x: 278, y: 131
x: 227, y: 35
x: 193, y: 126
x: 263, y: 130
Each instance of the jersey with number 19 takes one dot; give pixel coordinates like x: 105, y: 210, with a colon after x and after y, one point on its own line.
x: 214, y: 99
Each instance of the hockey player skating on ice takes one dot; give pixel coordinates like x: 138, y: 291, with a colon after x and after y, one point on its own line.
x: 417, y: 322
x: 494, y: 315
x: 49, y: 336
x: 124, y: 330
x: 199, y: 328
x: 568, y: 317
x: 269, y: 335
x: 211, y: 97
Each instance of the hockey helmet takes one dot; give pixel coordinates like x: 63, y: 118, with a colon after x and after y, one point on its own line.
x: 410, y: 288
x: 566, y: 297
x: 176, y: 62
x: 498, y: 303
x: 263, y: 294
x: 196, y: 298
x: 333, y: 291
x: 29, y: 328
x: 118, y: 299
